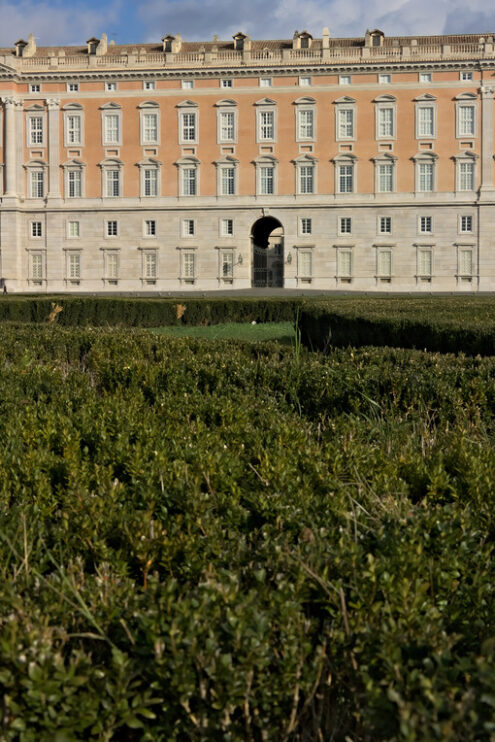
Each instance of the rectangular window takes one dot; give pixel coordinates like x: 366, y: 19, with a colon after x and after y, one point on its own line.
x: 189, y: 181
x: 227, y: 264
x: 149, y: 85
x: 345, y: 225
x: 36, y: 229
x: 344, y: 263
x: 149, y: 265
x: 385, y: 122
x: 226, y: 83
x: 150, y: 128
x: 188, y: 228
x: 111, y: 128
x: 227, y: 227
x: 306, y: 179
x: 228, y: 181
x: 384, y: 267
x: 306, y: 125
x: 110, y: 87
x: 74, y: 129
x: 346, y: 179
x: 345, y: 126
x: 385, y: 225
x: 72, y: 87
x: 36, y: 267
x: 36, y: 129
x: 265, y: 82
x: 187, y: 84
x: 466, y: 120
x: 305, y: 268
x: 150, y: 182
x: 73, y: 229
x: 344, y: 79
x: 189, y: 265
x: 385, y: 177
x: 189, y: 127
x: 466, y: 223
x: 113, y: 183
x: 465, y: 262
x: 426, y: 224
x: 425, y: 262
x: 227, y: 122
x: 112, y: 265
x: 37, y: 184
x: 384, y: 79
x: 425, y: 176
x: 306, y: 226
x: 466, y: 76
x: 150, y: 228
x: 74, y: 179
x: 267, y: 180
x: 466, y: 176
x: 425, y: 77
x: 425, y: 121
x: 112, y: 228
x: 267, y: 125
x: 305, y: 82
x: 35, y: 88
x: 73, y: 265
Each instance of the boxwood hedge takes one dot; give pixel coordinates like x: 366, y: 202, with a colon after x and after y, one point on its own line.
x: 218, y: 541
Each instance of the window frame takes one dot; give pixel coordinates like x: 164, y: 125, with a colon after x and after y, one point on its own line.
x: 266, y: 161
x: 345, y: 105
x: 149, y: 108
x: 75, y: 111
x: 111, y: 110
x: 266, y: 106
x: 385, y: 103
x: 425, y: 158
x: 466, y: 100
x: 35, y: 113
x: 226, y: 107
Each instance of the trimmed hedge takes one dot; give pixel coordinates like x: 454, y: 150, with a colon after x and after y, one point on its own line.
x: 146, y: 312
x: 446, y: 325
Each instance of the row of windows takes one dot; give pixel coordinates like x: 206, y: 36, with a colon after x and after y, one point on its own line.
x: 345, y: 124
x: 264, y: 82
x: 188, y: 264
x: 266, y: 178
x: 188, y: 227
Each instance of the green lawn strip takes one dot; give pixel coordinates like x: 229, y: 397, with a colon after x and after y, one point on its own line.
x: 283, y: 332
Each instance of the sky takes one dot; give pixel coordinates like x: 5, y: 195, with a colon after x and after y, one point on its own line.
x: 57, y: 22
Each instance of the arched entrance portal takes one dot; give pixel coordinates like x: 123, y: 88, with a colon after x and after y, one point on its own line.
x: 268, y: 253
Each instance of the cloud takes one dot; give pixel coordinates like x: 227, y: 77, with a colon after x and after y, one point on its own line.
x: 58, y: 23
x: 200, y: 19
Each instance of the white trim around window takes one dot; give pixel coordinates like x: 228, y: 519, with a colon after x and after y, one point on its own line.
x: 466, y: 268
x: 226, y: 121
x: 425, y: 172
x: 188, y: 122
x: 304, y: 266
x: 385, y: 117
x: 111, y: 124
x: 305, y: 112
x: 149, y: 123
x: 385, y: 173
x: 73, y: 125
x: 425, y: 114
x: 112, y: 174
x: 227, y: 176
x: 35, y: 126
x: 36, y: 179
x: 345, y: 119
x: 345, y: 174
x: 149, y: 178
x: 466, y: 115
x: 74, y: 181
x: 306, y: 173
x: 188, y: 176
x: 424, y: 263
x: 36, y: 266
x: 466, y: 175
x: 188, y: 264
x: 266, y: 175
x: 266, y: 121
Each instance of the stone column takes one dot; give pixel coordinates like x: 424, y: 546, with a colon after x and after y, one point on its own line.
x: 53, y: 148
x: 487, y: 137
x: 10, y: 146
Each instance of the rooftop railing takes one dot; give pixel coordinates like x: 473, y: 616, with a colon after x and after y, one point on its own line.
x: 139, y: 57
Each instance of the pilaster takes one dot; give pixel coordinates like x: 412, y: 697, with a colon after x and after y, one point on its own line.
x: 11, y: 104
x: 53, y: 105
x: 487, y: 92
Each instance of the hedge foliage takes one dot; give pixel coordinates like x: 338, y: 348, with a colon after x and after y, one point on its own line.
x: 216, y: 541
x: 443, y: 324
x: 145, y: 312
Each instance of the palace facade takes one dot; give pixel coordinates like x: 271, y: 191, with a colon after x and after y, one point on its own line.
x: 323, y: 163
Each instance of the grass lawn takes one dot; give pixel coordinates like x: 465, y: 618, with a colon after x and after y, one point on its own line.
x: 282, y: 332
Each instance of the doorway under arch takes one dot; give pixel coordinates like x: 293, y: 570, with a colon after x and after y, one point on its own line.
x: 267, y: 236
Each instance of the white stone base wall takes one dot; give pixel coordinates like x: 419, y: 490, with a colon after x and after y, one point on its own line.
x: 364, y: 242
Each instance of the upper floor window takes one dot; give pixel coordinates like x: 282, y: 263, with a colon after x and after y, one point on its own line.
x: 35, y: 87
x: 74, y: 128
x: 188, y: 122
x: 385, y: 225
x: 111, y: 120
x: 466, y: 224
x: 265, y: 82
x: 187, y: 84
x: 426, y: 225
x: 306, y: 125
x: 466, y: 76
x: 113, y: 183
x: 305, y: 82
x: 74, y: 183
x: 425, y: 77
x: 110, y: 86
x: 305, y: 225
x: 425, y: 121
x: 227, y: 126
x: 149, y: 85
x: 384, y: 79
x: 189, y: 127
x: 385, y: 177
x: 267, y: 179
x: 150, y: 182
x: 227, y: 83
x: 306, y: 179
x: 345, y: 181
x: 345, y: 118
x: 385, y: 122
x: 466, y: 121
x: 37, y: 184
x: 72, y: 87
x: 35, y: 129
x: 344, y: 79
